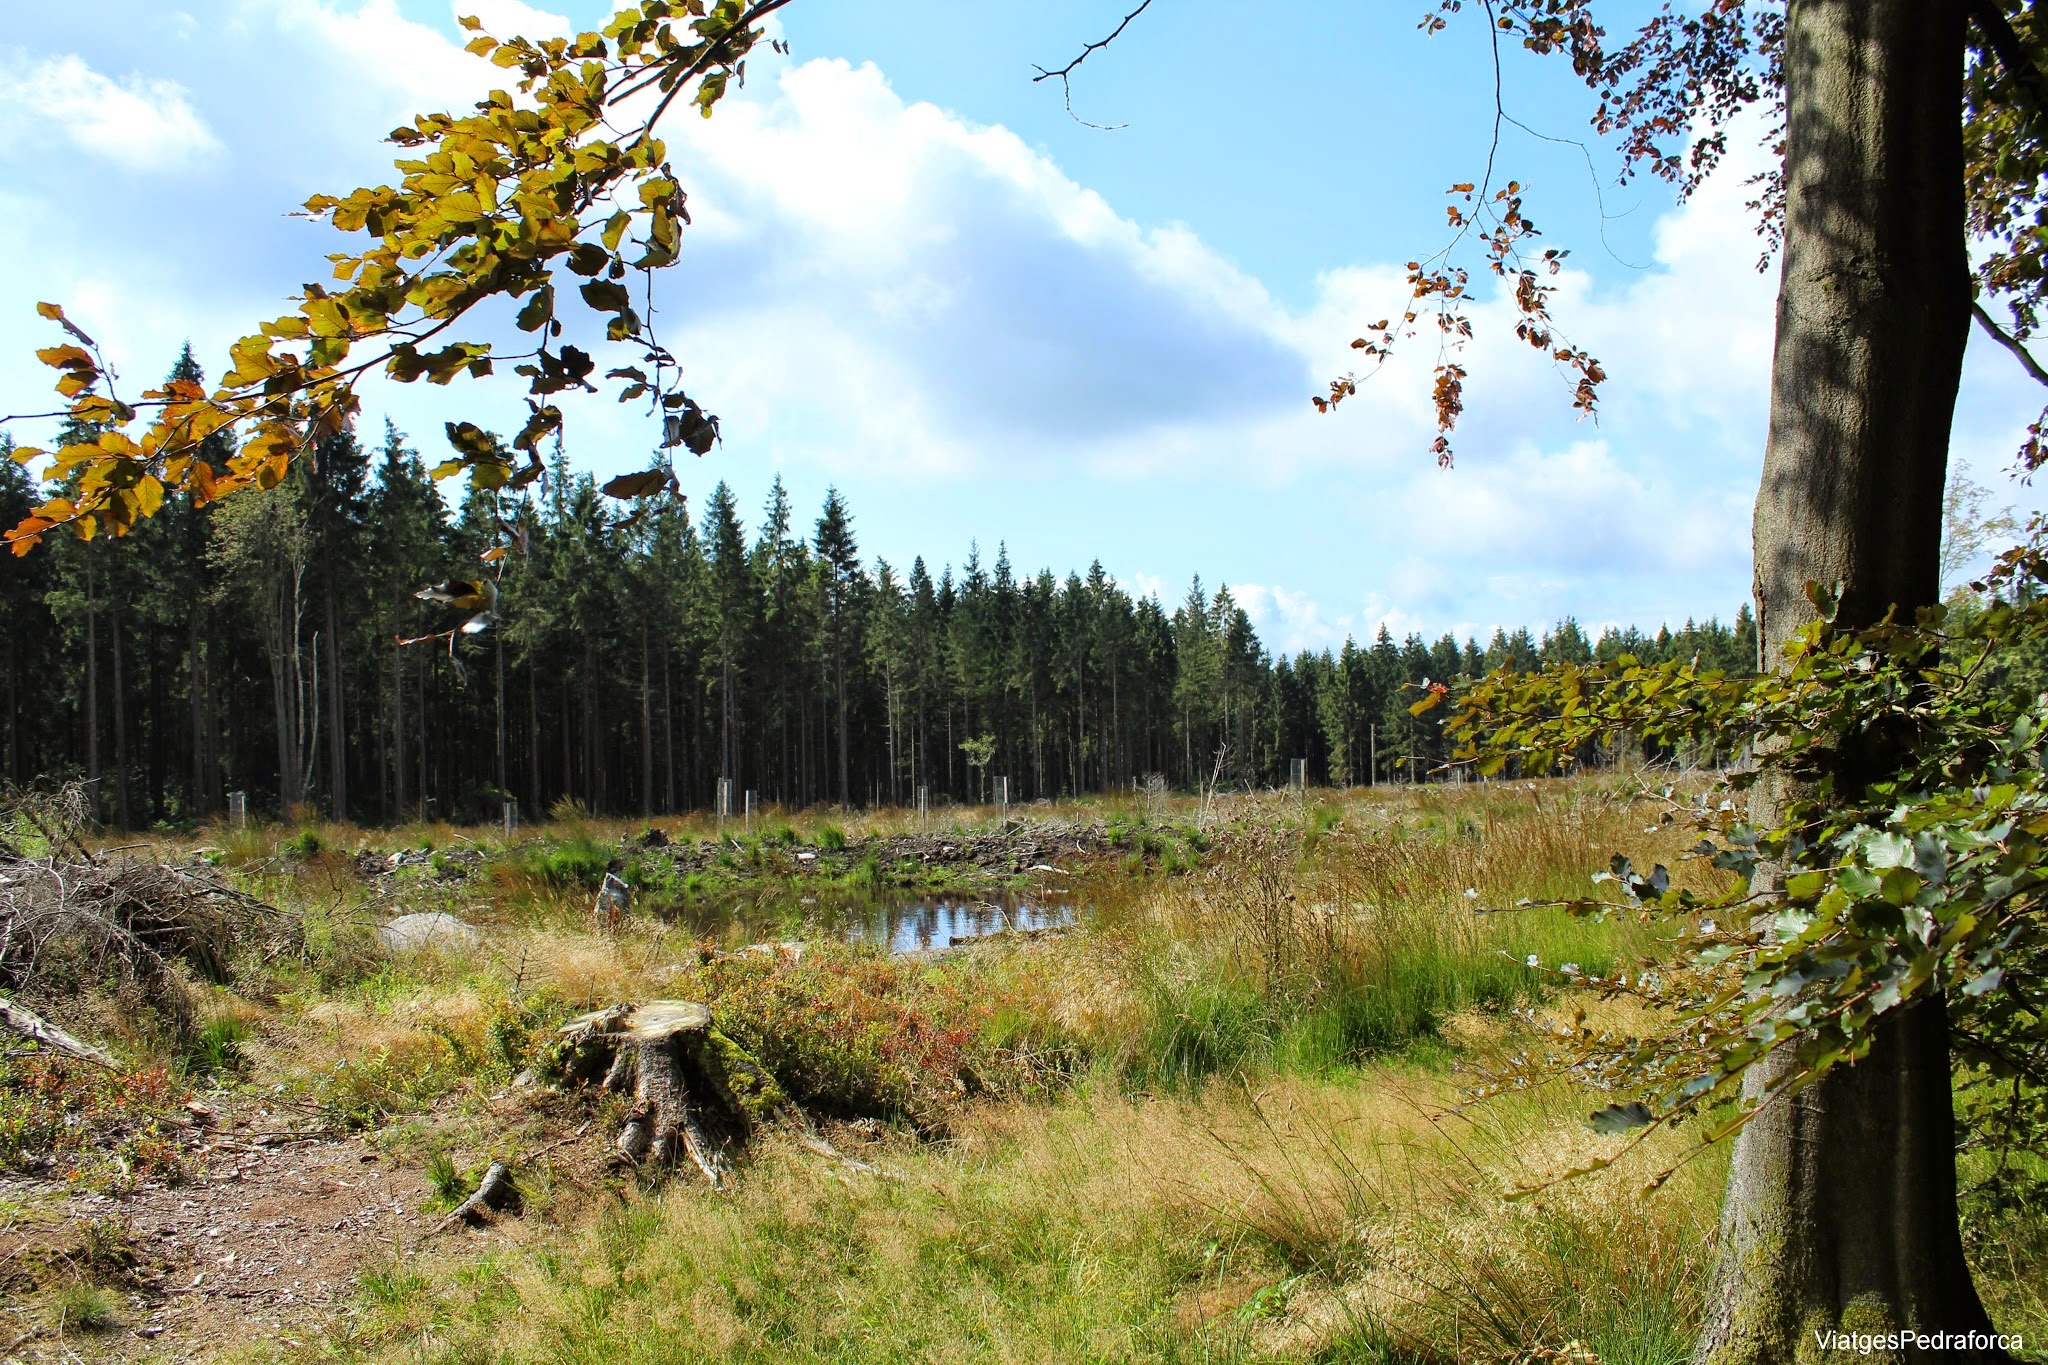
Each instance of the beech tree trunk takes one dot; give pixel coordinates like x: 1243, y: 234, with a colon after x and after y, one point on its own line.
x: 1841, y: 1210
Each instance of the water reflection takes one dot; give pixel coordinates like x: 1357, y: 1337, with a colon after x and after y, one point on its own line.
x: 936, y: 923
x: 904, y: 925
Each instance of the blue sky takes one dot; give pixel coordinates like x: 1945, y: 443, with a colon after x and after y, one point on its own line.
x: 915, y: 277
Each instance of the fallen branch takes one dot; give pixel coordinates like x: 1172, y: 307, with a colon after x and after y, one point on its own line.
x: 32, y: 1025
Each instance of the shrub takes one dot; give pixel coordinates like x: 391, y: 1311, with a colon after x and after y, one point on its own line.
x: 87, y: 1122
x: 405, y: 1078
x: 851, y: 1032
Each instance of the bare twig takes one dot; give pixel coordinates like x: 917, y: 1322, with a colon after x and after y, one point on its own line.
x: 1066, y: 72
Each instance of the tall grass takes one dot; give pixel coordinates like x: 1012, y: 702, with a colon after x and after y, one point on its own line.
x: 1304, y: 949
x: 1301, y: 1222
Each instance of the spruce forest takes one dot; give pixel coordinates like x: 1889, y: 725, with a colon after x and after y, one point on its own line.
x: 1091, y: 979
x: 305, y: 649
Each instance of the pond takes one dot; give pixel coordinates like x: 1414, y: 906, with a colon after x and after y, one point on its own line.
x: 904, y: 923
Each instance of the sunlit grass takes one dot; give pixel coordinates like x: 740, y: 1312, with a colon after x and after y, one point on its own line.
x: 1218, y: 1122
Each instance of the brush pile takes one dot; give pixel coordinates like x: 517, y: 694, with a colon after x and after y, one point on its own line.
x: 70, y: 917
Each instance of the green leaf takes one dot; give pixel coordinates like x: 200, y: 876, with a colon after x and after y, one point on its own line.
x: 538, y: 310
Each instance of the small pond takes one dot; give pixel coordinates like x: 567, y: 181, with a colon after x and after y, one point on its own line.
x: 905, y: 923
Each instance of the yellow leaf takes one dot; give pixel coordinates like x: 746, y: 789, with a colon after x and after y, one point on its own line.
x: 636, y: 485
x: 65, y: 357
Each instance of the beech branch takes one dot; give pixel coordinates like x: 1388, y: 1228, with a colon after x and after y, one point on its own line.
x: 2010, y: 342
x: 2012, y: 56
x: 1066, y: 72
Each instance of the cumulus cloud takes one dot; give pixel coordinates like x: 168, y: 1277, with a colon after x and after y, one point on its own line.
x: 931, y: 312
x: 140, y: 124
x: 1289, y: 619
x: 950, y: 298
x: 505, y: 18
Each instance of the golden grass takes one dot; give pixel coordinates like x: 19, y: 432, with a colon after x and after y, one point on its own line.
x: 1260, y: 1162
x: 1231, y: 1225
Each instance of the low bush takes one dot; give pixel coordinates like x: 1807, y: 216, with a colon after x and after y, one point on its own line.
x: 849, y: 1031
x: 88, y: 1124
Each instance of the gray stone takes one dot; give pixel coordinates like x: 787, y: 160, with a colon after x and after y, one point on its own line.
x: 435, y: 930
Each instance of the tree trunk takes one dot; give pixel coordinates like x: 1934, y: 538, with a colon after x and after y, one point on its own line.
x: 668, y: 737
x: 195, y: 676
x: 424, y: 788
x: 398, y: 728
x: 504, y: 772
x: 646, y: 728
x: 1841, y: 1210
x: 337, y: 720
x: 533, y: 793
x: 122, y: 816
x: 92, y: 685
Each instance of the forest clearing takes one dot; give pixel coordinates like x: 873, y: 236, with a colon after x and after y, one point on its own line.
x: 1223, y: 1117
x: 540, y: 918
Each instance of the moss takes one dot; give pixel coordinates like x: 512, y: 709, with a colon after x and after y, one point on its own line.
x: 743, y: 1081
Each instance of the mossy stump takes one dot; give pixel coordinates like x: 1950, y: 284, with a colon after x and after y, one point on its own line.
x: 696, y: 1093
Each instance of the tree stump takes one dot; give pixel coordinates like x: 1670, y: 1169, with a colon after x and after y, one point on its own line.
x: 695, y: 1091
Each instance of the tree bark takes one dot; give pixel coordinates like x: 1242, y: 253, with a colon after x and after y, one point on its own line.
x: 1841, y: 1209
x: 123, y: 818
x: 92, y: 685
x: 337, y: 721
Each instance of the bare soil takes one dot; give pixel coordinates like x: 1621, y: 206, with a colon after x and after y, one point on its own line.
x: 266, y: 1242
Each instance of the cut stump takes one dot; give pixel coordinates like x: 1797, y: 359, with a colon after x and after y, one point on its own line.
x: 695, y: 1092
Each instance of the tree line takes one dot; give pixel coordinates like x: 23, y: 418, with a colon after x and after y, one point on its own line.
x: 566, y: 649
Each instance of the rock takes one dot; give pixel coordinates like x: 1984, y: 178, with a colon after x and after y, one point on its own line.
x: 408, y: 933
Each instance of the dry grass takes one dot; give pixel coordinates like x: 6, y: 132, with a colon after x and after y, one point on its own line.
x: 1261, y: 1158
x: 1233, y: 1225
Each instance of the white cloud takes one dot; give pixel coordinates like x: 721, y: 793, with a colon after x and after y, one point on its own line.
x: 138, y: 123
x: 1289, y: 619
x: 934, y: 294
x: 508, y: 18
x: 889, y: 295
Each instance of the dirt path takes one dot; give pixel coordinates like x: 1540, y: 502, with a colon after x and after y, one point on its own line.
x: 269, y: 1236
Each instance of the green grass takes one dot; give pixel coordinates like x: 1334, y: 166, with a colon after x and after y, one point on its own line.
x: 86, y: 1308
x: 576, y: 861
x: 1215, y: 1124
x: 216, y: 1045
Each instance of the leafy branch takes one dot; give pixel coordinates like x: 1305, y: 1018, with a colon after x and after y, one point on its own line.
x: 1875, y: 890
x: 564, y: 174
